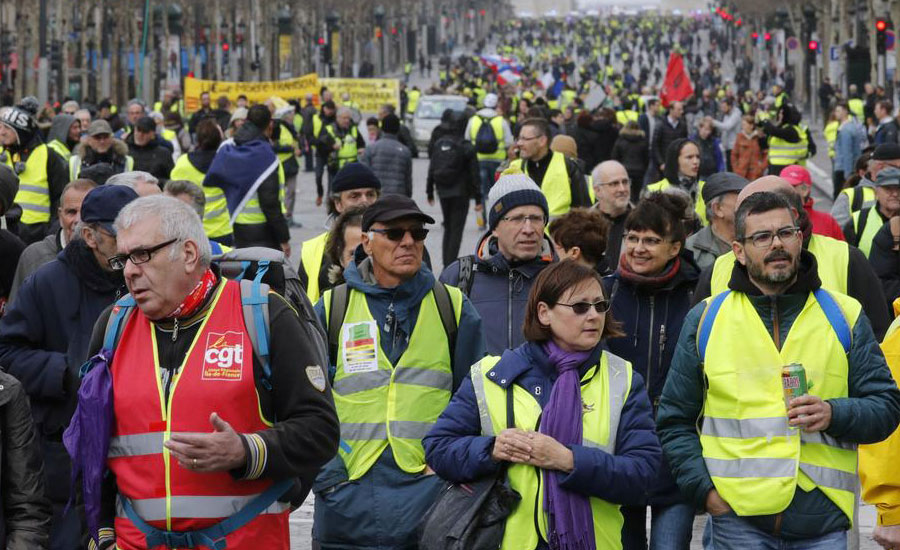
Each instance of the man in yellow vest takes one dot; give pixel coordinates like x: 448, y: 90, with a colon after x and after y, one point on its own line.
x: 772, y: 386
x: 41, y: 171
x: 412, y: 101
x: 286, y: 147
x: 489, y: 147
x: 354, y: 185
x: 400, y: 343
x: 865, y: 224
x: 343, y: 142
x: 65, y: 135
x: 788, y: 143
x: 560, y: 179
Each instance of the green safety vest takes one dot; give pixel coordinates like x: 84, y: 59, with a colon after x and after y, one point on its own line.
x: 348, y: 151
x: 699, y: 206
x: 75, y: 166
x: 412, y: 101
x: 832, y: 259
x: 60, y: 148
x: 831, y: 131
x: 866, y: 196
x: 555, y: 186
x: 785, y: 153
x: 604, y: 390
x: 252, y: 213
x: 755, y: 460
x: 216, y: 220
x: 285, y: 138
x: 317, y: 125
x: 857, y: 107
x: 872, y: 225
x: 381, y: 404
x: 311, y: 256
x: 497, y: 126
x: 34, y: 186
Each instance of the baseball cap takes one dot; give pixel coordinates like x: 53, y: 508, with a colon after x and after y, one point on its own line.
x: 98, y: 127
x: 888, y: 176
x: 721, y: 183
x: 796, y: 175
x: 393, y: 207
x: 102, y: 204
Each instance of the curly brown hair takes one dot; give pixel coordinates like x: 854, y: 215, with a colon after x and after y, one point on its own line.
x: 585, y: 228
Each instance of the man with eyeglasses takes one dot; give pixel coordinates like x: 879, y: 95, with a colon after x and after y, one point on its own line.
x: 100, y: 148
x: 560, y: 179
x: 772, y: 470
x: 612, y: 189
x: 400, y: 343
x: 863, y: 225
x: 508, y: 258
x: 45, y: 337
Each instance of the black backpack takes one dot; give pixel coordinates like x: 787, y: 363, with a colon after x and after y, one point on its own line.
x: 448, y: 161
x: 485, y: 140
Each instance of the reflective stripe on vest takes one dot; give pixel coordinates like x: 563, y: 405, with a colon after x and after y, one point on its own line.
x: 34, y: 187
x: 555, y: 185
x: 604, y: 391
x: 216, y: 375
x: 699, y: 204
x: 832, y: 259
x: 784, y: 153
x: 252, y: 213
x: 497, y: 127
x: 873, y: 224
x: 312, y: 254
x: 380, y: 403
x: 348, y: 151
x: 755, y: 460
x: 216, y: 219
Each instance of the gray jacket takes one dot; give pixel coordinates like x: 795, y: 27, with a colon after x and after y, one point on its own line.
x: 392, y: 163
x: 729, y: 128
x: 706, y: 247
x: 34, y: 256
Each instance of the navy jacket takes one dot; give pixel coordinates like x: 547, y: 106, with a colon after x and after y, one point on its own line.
x: 457, y: 451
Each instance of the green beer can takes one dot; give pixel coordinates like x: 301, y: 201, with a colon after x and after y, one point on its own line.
x: 793, y: 381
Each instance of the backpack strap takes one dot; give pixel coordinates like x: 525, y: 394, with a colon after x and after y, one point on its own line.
x: 340, y: 296
x: 255, y: 306
x: 706, y: 322
x: 835, y: 317
x: 466, y: 274
x: 445, y: 311
x: 863, y: 221
x: 115, y: 324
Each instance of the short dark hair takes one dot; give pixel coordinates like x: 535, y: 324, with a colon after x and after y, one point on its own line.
x: 886, y: 104
x: 209, y: 136
x: 757, y: 203
x: 540, y: 125
x: 660, y: 212
x: 585, y: 228
x: 549, y: 286
x: 348, y: 218
x: 260, y: 116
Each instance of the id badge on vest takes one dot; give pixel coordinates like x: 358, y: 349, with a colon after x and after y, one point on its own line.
x: 360, y: 347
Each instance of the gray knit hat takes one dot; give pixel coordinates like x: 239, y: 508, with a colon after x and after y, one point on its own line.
x: 510, y: 191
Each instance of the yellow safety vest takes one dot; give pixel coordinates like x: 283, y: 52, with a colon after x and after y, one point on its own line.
x: 699, y: 205
x: 785, y: 153
x: 311, y: 257
x: 566, y: 97
x: 604, y: 391
x: 621, y: 118
x: 252, y: 213
x: 873, y: 224
x: 831, y: 130
x: 216, y: 220
x: 317, y: 125
x: 412, y: 101
x: 756, y: 461
x: 555, y: 186
x: 497, y: 126
x: 857, y: 107
x: 832, y: 260
x: 75, y: 166
x: 348, y: 151
x: 34, y: 185
x: 379, y: 403
x: 60, y: 148
x: 285, y: 138
x: 868, y: 197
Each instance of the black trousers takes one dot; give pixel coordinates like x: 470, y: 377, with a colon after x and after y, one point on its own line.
x: 455, y: 211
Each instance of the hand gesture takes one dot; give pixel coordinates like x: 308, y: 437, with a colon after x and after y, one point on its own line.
x: 512, y: 445
x: 219, y: 451
x: 810, y: 413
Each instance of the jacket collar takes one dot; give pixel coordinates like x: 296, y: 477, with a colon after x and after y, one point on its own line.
x: 488, y: 254
x: 807, y: 277
x: 530, y: 359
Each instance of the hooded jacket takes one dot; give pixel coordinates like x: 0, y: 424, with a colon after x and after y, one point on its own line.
x: 115, y: 157
x: 152, y: 158
x: 870, y: 415
x: 499, y: 290
x: 59, y: 130
x: 631, y: 150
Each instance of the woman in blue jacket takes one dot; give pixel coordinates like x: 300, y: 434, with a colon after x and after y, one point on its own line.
x: 583, y: 434
x: 651, y: 293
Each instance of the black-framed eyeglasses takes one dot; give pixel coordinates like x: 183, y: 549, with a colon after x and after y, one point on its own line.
x: 581, y: 308
x: 397, y: 233
x: 764, y: 239
x: 536, y: 220
x: 526, y: 138
x: 137, y: 256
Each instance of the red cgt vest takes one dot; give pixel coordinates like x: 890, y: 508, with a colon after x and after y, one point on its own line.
x: 217, y: 376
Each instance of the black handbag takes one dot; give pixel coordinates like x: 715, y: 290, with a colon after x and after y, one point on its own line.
x: 471, y: 516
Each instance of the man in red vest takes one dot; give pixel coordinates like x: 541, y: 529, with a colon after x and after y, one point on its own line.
x: 204, y: 445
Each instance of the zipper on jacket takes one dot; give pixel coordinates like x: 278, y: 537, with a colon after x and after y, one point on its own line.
x: 509, y: 311
x: 537, y: 494
x: 776, y: 325
x: 650, y: 344
x: 662, y: 348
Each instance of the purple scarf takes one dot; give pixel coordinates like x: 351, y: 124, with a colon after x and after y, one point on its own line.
x: 571, y: 523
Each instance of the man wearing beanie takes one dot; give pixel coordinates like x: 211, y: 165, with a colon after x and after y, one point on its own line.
x: 354, y: 185
x: 390, y: 160
x: 498, y: 277
x: 42, y: 172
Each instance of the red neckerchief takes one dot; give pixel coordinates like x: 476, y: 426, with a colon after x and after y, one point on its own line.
x: 197, y: 297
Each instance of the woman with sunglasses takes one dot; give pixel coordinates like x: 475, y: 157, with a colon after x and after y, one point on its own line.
x: 650, y: 293
x: 582, y: 443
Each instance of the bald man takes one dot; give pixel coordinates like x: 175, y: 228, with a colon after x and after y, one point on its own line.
x: 611, y: 186
x: 841, y: 267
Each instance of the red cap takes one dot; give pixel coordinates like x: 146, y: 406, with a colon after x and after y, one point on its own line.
x: 796, y: 175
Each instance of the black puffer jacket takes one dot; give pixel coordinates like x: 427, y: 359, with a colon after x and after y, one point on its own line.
x: 632, y: 150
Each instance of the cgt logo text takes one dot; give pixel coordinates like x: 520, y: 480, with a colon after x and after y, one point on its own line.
x: 224, y: 356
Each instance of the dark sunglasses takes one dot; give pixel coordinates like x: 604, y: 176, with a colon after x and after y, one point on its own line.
x: 397, y: 233
x: 582, y: 308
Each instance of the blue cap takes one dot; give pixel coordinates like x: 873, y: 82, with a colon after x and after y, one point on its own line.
x: 102, y: 204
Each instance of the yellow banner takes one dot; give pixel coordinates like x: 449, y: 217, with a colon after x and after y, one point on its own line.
x: 256, y: 92
x: 368, y: 93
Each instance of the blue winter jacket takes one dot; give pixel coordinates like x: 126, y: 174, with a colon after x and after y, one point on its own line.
x: 457, y: 451
x: 851, y: 138
x: 382, y: 509
x: 499, y: 291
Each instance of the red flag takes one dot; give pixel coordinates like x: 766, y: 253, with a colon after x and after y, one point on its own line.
x: 677, y: 85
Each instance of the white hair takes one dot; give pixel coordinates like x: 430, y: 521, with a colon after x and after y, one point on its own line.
x: 131, y: 179
x: 175, y: 219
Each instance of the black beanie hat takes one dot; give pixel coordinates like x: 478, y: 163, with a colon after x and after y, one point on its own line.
x: 354, y: 175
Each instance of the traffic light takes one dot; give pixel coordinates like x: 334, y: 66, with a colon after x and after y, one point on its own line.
x: 6, y: 48
x: 881, y: 36
x: 813, y: 45
x: 767, y: 37
x: 321, y: 41
x: 755, y: 36
x: 55, y: 56
x: 225, y: 49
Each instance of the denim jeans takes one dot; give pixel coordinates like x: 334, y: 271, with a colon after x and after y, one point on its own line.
x: 729, y: 532
x: 487, y: 169
x: 670, y: 527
